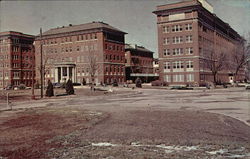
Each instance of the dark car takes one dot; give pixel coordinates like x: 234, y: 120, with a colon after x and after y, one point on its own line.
x: 248, y: 87
x: 57, y: 85
x: 9, y: 87
x: 77, y: 84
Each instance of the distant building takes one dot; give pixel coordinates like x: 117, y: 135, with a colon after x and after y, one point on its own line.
x: 188, y: 33
x: 139, y: 63
x: 76, y: 51
x: 17, y: 59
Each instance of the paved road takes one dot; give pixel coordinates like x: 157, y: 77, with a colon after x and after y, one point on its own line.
x: 233, y: 102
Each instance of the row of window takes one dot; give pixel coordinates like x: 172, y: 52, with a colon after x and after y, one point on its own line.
x: 114, y: 57
x: 114, y: 69
x: 178, y: 65
x: 178, y: 40
x: 178, y: 51
x: 16, y: 57
x: 91, y: 36
x: 177, y: 28
x: 114, y: 47
x: 71, y: 49
x: 179, y: 78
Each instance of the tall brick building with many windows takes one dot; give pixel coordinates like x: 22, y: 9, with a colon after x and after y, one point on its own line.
x: 78, y: 51
x: 17, y: 59
x: 188, y: 33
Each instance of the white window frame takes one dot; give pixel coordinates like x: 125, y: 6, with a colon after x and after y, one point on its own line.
x: 167, y: 67
x: 177, y: 28
x: 189, y: 39
x: 189, y: 27
x: 166, y: 52
x: 189, y: 51
x: 166, y: 41
x: 167, y: 78
x: 190, y: 77
x: 166, y: 29
x: 177, y: 51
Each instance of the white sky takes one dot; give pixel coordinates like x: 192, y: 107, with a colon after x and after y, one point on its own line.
x: 132, y: 16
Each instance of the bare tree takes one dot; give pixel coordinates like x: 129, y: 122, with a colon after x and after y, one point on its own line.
x: 93, y: 67
x: 239, y: 57
x: 215, y: 63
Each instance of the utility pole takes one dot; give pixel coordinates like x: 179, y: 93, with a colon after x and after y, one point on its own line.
x: 32, y: 65
x: 41, y: 62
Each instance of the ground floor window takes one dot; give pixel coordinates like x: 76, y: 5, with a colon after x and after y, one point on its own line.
x: 190, y: 77
x: 178, y: 78
x: 167, y: 78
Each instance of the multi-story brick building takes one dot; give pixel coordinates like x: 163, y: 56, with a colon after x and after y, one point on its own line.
x: 188, y: 33
x: 17, y: 59
x: 139, y: 63
x: 78, y: 51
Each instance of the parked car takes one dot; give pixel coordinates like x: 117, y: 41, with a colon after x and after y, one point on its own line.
x: 57, y: 85
x: 247, y: 86
x: 182, y: 88
x: 9, y: 87
x: 77, y: 84
x: 21, y: 86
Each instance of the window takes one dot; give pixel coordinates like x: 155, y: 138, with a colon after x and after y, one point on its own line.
x: 166, y: 52
x: 189, y: 50
x: 167, y: 66
x: 178, y: 78
x: 165, y: 29
x: 190, y: 64
x: 190, y: 77
x: 189, y: 38
x: 178, y: 65
x: 176, y: 28
x: 16, y: 74
x: 188, y: 27
x: 178, y: 51
x: 78, y: 48
x: 167, y: 78
x: 177, y: 40
x: 166, y: 41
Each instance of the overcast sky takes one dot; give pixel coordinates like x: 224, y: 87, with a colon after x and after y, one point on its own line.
x: 132, y: 16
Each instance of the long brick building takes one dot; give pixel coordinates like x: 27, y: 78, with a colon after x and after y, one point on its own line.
x: 78, y: 51
x: 17, y: 59
x: 189, y: 33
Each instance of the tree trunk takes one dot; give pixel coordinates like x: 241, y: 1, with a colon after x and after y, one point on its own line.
x: 215, y: 79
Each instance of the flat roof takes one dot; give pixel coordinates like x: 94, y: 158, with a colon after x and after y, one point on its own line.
x: 81, y: 27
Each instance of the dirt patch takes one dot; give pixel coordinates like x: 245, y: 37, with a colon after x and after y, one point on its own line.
x: 25, y: 134
x: 159, y: 134
x: 170, y: 127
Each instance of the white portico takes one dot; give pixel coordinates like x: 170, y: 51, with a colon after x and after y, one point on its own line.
x: 65, y: 71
